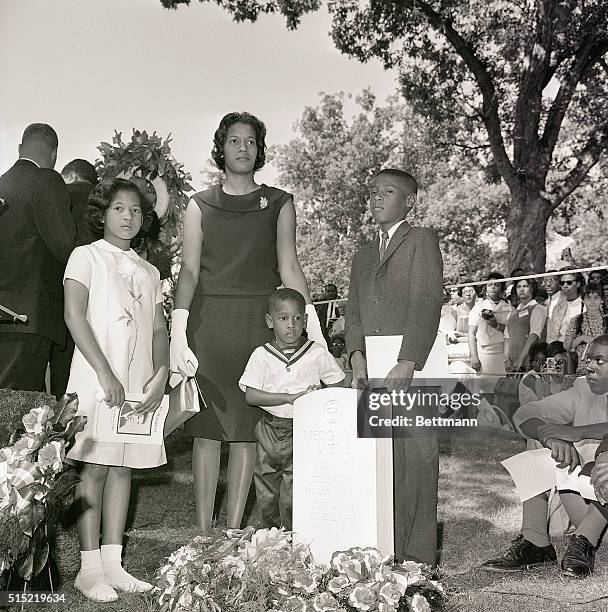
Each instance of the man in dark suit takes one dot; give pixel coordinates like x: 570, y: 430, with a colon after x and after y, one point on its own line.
x: 37, y: 234
x: 328, y: 313
x: 80, y: 177
x: 396, y: 289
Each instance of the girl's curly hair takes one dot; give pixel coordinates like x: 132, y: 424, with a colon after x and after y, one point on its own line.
x: 219, y: 138
x: 103, y: 195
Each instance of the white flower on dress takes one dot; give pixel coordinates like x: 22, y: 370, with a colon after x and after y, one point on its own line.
x: 129, y: 270
x: 263, y: 202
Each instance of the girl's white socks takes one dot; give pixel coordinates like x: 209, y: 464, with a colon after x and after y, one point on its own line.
x: 115, y: 574
x: 91, y: 581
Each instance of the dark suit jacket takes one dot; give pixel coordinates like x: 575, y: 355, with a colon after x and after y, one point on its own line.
x: 322, y: 312
x: 79, y: 196
x: 400, y: 295
x: 37, y: 235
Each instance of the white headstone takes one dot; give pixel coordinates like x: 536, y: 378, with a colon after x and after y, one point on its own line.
x: 342, y: 485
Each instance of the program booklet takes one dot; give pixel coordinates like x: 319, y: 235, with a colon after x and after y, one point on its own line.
x: 125, y: 425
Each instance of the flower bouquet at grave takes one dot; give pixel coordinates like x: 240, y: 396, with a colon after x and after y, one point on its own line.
x: 266, y: 571
x: 34, y: 485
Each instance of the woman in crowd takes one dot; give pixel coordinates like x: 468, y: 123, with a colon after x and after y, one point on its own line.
x: 487, y: 323
x: 599, y: 277
x: 447, y: 320
x: 469, y: 298
x: 546, y: 374
x: 587, y: 325
x: 511, y: 291
x: 524, y: 326
x: 455, y: 323
x: 239, y: 245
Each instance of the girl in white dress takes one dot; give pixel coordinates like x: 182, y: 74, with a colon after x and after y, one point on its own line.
x: 113, y: 309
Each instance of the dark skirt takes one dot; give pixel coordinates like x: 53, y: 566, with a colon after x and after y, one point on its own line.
x: 223, y: 331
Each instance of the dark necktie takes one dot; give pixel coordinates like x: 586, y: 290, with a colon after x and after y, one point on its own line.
x: 383, y: 243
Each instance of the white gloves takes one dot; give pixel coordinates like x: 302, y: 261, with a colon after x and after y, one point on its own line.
x: 182, y: 359
x: 313, y: 327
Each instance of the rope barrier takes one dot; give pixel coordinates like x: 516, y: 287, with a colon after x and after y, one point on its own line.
x: 526, y: 277
x: 497, y: 280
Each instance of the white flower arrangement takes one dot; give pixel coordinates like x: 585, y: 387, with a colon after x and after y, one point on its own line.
x: 265, y: 570
x: 32, y: 472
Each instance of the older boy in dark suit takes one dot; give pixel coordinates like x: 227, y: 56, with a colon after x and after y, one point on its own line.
x: 37, y: 235
x: 396, y: 289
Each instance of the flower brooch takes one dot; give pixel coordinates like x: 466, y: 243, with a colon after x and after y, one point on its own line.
x: 263, y: 202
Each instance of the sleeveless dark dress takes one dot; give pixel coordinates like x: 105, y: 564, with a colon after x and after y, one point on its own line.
x: 238, y: 270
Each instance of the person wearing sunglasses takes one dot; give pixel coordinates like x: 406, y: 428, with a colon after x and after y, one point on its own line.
x: 569, y: 304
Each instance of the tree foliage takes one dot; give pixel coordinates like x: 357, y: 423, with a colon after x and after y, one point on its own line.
x: 340, y: 144
x: 506, y: 74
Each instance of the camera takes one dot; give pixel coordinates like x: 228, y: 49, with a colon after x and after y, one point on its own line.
x: 487, y: 313
x: 550, y: 366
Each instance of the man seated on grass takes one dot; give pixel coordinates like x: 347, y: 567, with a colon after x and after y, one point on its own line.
x: 570, y: 424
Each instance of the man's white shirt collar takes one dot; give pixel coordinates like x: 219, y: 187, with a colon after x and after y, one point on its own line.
x: 391, y: 231
x: 30, y: 160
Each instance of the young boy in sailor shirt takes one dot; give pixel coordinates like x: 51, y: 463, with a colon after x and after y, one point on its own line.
x: 277, y: 374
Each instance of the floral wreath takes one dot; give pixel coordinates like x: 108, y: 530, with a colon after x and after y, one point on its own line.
x: 147, y: 161
x: 149, y: 158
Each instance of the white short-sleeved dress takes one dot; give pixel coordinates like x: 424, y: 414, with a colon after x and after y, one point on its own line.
x: 123, y: 292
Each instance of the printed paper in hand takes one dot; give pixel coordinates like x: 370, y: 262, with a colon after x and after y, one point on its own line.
x: 122, y: 424
x: 574, y: 482
x: 382, y: 353
x: 534, y: 471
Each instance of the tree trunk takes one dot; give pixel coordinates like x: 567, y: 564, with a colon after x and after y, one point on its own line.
x: 526, y: 229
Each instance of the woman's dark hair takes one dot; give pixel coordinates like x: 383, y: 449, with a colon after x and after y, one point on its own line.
x: 531, y: 283
x: 219, y: 138
x: 593, y: 289
x: 538, y: 347
x: 555, y: 348
x: 102, y: 196
x: 603, y: 275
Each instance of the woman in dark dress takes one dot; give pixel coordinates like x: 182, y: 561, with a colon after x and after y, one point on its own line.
x: 239, y: 245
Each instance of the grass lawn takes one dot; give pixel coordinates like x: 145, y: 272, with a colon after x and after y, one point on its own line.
x: 478, y: 512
